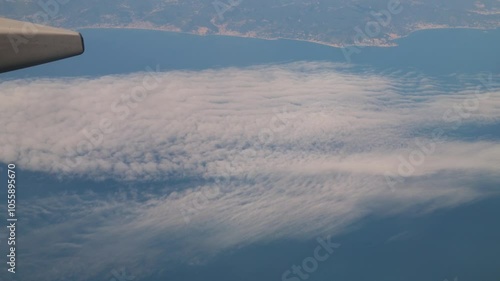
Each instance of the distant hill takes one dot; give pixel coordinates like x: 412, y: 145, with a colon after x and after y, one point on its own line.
x: 332, y: 22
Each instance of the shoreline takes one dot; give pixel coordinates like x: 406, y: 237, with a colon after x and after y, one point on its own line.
x: 391, y: 43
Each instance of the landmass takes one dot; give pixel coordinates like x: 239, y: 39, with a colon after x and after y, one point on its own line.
x: 329, y: 22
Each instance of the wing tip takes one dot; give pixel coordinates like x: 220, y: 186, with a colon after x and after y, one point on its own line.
x: 83, y: 44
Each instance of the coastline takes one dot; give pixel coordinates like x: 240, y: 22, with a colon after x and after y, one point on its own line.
x: 392, y: 42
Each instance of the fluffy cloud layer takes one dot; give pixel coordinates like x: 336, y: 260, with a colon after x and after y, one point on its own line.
x: 254, y: 154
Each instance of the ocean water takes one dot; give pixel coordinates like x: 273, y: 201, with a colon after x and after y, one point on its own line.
x: 437, y: 52
x: 451, y: 244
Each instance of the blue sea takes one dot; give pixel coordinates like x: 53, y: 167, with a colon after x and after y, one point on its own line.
x: 460, y: 243
x: 438, y: 52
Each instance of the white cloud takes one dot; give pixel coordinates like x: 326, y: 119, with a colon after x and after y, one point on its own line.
x: 299, y: 150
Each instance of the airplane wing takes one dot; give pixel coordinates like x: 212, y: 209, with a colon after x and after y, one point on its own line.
x: 24, y: 44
